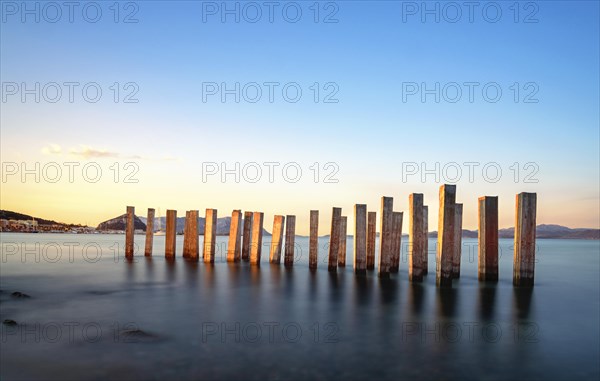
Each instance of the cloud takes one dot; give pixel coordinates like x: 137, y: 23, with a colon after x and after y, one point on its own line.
x: 52, y: 149
x: 88, y: 152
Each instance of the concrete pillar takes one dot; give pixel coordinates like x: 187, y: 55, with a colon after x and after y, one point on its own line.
x: 313, y: 250
x: 525, y: 225
x: 277, y: 239
x: 334, y: 239
x: 371, y: 235
x: 290, y: 240
x: 385, y: 236
x: 149, y: 233
x: 416, y: 237
x: 343, y: 241
x: 129, y: 231
x: 487, y: 238
x: 445, y: 243
x: 396, y: 241
x: 234, y: 246
x: 210, y: 235
x: 170, y: 234
x: 247, y: 240
x: 426, y: 240
x: 191, y: 246
x: 257, y: 234
x: 360, y: 239
x: 458, y: 213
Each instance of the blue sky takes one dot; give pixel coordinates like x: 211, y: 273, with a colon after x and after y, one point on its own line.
x: 368, y: 54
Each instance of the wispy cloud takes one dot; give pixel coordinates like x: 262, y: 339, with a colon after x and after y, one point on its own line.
x: 87, y: 152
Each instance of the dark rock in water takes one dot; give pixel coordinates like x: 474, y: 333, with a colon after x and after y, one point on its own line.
x: 136, y: 335
x: 19, y: 295
x: 9, y: 322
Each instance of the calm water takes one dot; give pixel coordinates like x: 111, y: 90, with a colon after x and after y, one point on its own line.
x: 93, y: 315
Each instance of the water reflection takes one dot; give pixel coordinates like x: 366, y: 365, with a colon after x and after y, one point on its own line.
x: 487, y: 299
x: 522, y: 301
x: 417, y: 295
x: 447, y: 299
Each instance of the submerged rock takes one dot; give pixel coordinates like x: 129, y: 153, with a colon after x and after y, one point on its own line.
x: 9, y: 322
x: 137, y: 335
x: 19, y: 295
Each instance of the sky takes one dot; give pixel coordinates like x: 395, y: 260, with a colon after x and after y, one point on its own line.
x: 149, y: 103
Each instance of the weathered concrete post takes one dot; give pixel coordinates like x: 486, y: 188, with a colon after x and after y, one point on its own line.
x: 458, y: 213
x: 277, y: 239
x: 360, y: 239
x: 191, y: 240
x: 487, y: 238
x: 149, y: 233
x: 385, y: 236
x: 524, y: 259
x: 334, y: 239
x: 445, y: 245
x: 129, y: 231
x: 247, y: 240
x: 313, y: 250
x: 235, y: 236
x: 290, y: 240
x: 416, y: 237
x: 371, y: 235
x: 210, y: 235
x: 343, y: 241
x: 257, y: 234
x: 396, y: 241
x: 186, y: 234
x: 170, y: 233
x: 425, y: 264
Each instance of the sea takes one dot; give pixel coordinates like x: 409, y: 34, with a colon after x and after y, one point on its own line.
x: 72, y: 307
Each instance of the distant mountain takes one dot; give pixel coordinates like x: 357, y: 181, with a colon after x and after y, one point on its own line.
x: 120, y: 223
x: 9, y: 215
x: 223, y: 225
x: 542, y: 231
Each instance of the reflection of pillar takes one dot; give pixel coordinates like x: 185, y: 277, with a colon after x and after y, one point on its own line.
x: 524, y: 260
x: 313, y: 251
x: 488, y: 238
x: 360, y: 238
